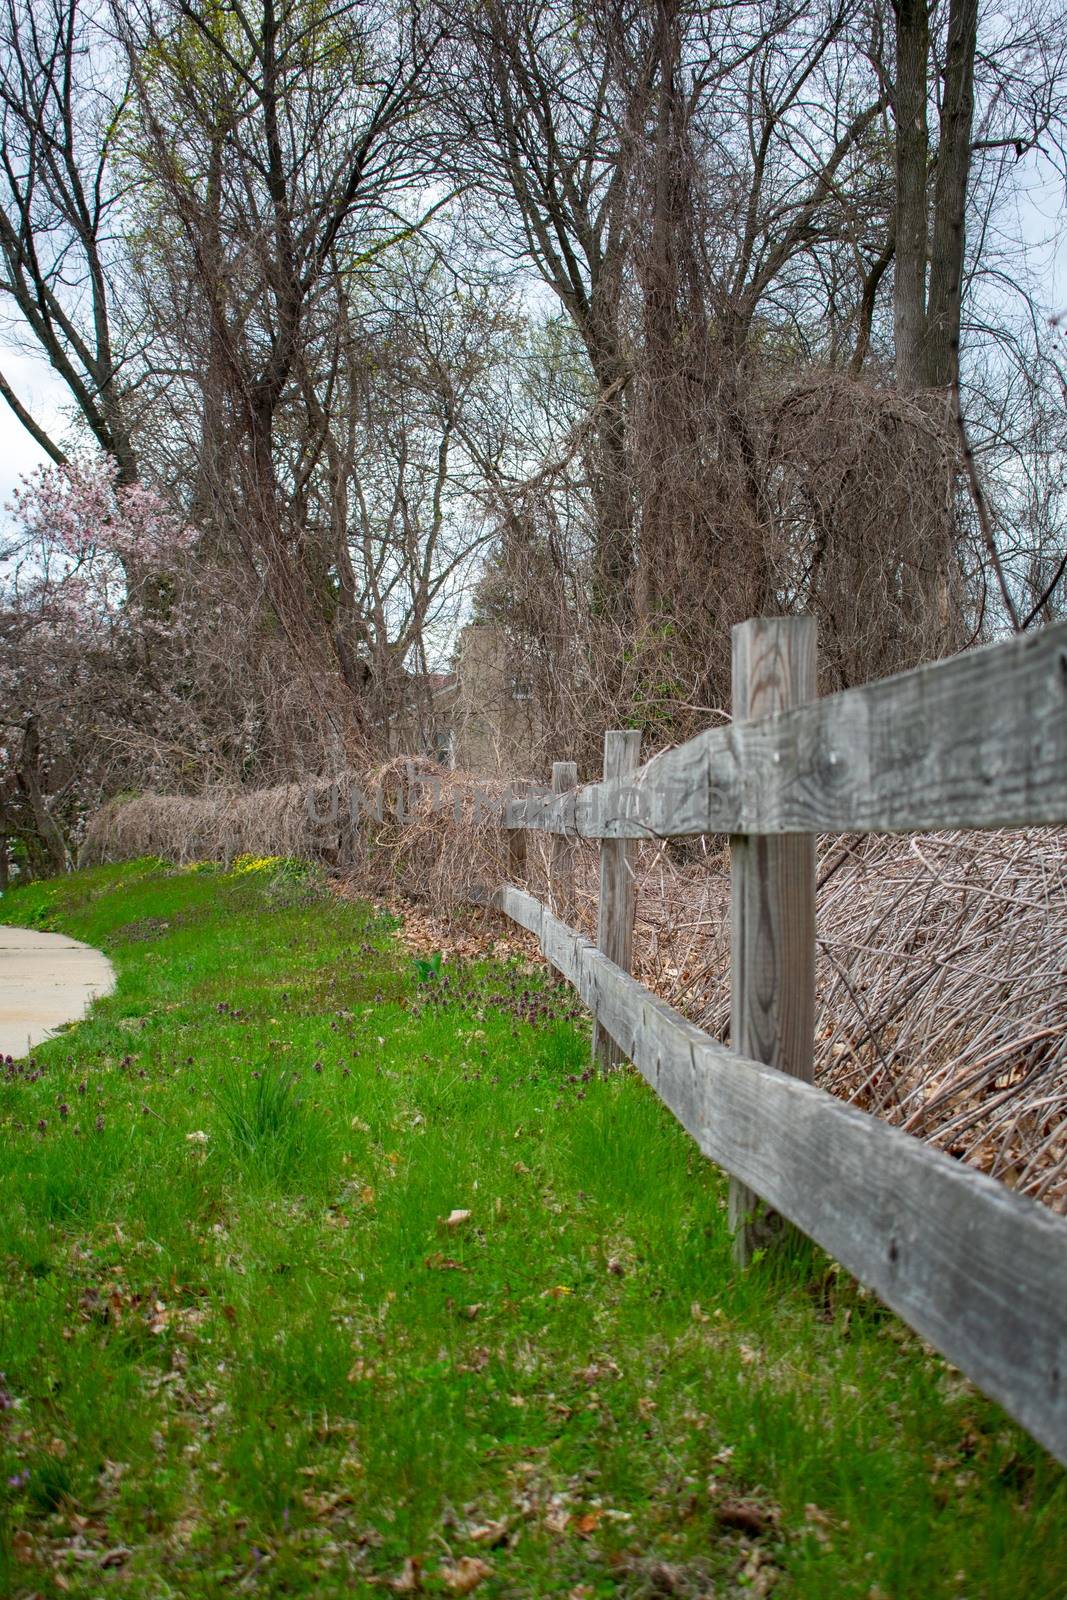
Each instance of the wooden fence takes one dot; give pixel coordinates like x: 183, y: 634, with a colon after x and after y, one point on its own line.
x: 978, y: 741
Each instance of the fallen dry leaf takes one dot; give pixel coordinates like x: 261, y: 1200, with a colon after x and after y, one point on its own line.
x: 466, y: 1575
x: 820, y: 1524
x: 759, y: 1574
x: 747, y: 1516
x: 322, y: 1505
x: 666, y: 1578
x: 490, y: 1534
x: 455, y: 1219
x: 410, y: 1579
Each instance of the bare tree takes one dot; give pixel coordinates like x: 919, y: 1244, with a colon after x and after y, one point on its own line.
x: 278, y: 151
x: 550, y: 142
x: 61, y: 103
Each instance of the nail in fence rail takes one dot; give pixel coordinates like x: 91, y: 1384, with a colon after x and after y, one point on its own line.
x: 772, y: 900
x: 979, y: 740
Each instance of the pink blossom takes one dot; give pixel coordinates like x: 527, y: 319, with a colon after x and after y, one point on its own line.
x: 82, y: 510
x: 85, y: 539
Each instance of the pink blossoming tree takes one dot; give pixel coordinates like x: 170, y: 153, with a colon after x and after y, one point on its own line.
x: 94, y: 617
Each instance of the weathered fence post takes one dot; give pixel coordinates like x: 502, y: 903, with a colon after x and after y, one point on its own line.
x: 618, y: 889
x: 561, y: 850
x: 772, y: 893
x: 516, y: 848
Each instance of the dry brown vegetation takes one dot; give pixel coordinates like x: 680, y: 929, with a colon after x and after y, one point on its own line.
x: 942, y: 992
x: 605, y: 330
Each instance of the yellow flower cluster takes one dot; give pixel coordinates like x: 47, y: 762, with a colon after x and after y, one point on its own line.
x: 256, y: 864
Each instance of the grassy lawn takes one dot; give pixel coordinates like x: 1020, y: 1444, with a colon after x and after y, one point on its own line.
x: 323, y: 1273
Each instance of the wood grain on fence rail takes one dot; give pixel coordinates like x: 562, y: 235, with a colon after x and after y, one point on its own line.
x: 979, y: 1271
x: 976, y: 741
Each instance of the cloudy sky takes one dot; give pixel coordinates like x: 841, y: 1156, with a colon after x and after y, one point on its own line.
x: 40, y: 392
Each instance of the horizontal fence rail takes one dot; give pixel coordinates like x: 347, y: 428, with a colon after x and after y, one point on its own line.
x: 979, y: 1271
x: 977, y: 741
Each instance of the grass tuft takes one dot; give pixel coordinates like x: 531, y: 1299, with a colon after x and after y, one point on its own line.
x: 267, y: 1124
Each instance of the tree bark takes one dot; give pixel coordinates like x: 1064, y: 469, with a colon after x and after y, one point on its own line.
x: 948, y: 240
x: 28, y: 780
x: 912, y: 153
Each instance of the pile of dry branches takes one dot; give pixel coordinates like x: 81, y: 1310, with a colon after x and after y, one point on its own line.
x: 941, y: 983
x: 403, y: 828
x: 941, y: 979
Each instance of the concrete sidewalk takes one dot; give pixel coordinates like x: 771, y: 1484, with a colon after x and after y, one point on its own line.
x: 46, y: 979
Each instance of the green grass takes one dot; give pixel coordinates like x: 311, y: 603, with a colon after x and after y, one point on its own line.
x: 243, y: 1354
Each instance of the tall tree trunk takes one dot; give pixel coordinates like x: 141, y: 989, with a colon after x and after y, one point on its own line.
x: 612, y: 488
x: 909, y: 293
x: 950, y: 197
x: 666, y: 420
x: 27, y: 777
